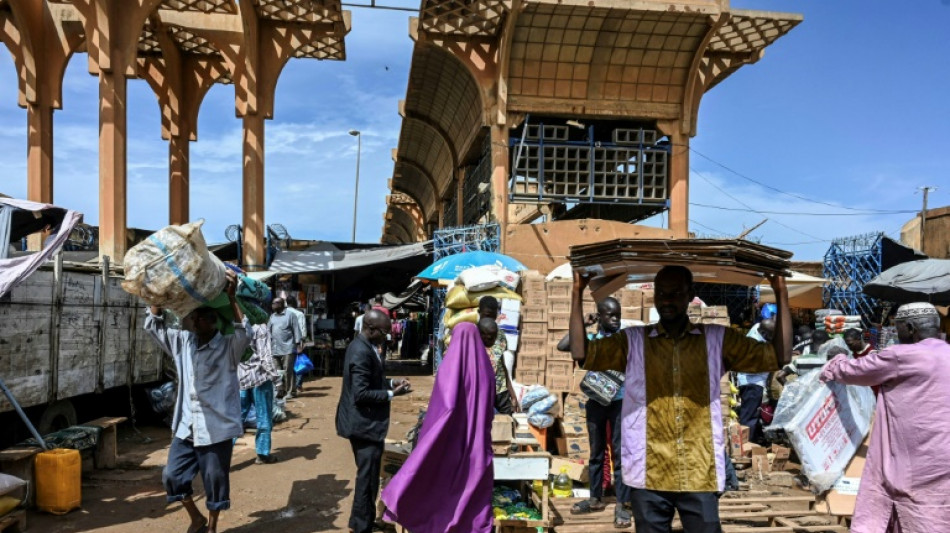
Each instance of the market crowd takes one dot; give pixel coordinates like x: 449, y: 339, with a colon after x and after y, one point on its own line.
x: 660, y: 426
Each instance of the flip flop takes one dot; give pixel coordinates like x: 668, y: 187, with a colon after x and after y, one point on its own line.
x: 588, y: 506
x: 621, y: 518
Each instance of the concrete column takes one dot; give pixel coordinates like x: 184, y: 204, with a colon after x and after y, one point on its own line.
x: 679, y: 185
x: 39, y: 165
x: 499, y: 178
x: 441, y: 213
x: 254, y: 250
x: 179, y: 173
x: 112, y: 164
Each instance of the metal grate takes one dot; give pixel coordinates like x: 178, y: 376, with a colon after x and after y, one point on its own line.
x: 476, y: 189
x: 850, y: 263
x: 631, y: 169
x: 738, y: 298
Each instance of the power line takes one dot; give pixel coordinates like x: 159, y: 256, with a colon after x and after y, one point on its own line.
x: 750, y: 208
x: 797, y: 213
x: 794, y: 195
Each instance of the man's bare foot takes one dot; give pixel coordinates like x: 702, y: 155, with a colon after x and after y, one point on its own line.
x: 200, y: 526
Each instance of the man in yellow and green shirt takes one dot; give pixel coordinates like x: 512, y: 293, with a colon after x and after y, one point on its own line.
x: 673, y: 442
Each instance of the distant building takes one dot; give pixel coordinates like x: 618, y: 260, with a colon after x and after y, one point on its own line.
x: 936, y: 243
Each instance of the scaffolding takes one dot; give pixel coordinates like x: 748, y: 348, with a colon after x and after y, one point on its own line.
x: 451, y: 241
x: 850, y: 263
x: 739, y: 299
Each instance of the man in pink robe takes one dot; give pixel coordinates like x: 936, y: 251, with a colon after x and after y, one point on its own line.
x: 905, y: 487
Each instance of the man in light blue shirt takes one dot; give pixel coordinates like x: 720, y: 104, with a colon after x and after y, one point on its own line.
x: 208, y: 406
x: 752, y: 386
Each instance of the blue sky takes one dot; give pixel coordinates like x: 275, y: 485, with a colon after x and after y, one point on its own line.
x: 849, y: 109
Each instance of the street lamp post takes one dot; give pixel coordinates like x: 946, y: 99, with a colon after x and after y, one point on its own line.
x: 356, y: 195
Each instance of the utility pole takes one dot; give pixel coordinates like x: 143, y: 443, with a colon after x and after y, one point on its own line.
x: 923, y: 215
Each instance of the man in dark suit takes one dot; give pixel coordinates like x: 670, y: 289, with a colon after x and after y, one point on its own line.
x: 362, y: 416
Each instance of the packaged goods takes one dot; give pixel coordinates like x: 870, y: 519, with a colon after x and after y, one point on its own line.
x: 456, y: 316
x: 532, y: 396
x: 173, y: 269
x: 478, y: 279
x: 460, y: 298
x: 825, y: 423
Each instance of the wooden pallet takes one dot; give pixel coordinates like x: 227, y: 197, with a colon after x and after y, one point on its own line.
x: 757, y: 512
x: 13, y: 522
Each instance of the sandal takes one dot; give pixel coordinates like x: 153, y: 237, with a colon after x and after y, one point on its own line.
x: 621, y: 518
x: 588, y: 506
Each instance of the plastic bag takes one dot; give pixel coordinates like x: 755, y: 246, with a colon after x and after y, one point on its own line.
x: 173, y: 269
x: 825, y: 423
x: 459, y: 316
x: 541, y: 420
x: 478, y: 279
x: 303, y: 364
x: 534, y: 394
x: 543, y: 405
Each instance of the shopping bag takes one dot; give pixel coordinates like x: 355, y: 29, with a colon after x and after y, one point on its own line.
x: 303, y: 364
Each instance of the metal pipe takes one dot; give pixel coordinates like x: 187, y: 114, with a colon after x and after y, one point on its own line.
x: 19, y: 410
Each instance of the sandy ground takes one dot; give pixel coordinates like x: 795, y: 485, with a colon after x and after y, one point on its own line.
x: 309, y: 490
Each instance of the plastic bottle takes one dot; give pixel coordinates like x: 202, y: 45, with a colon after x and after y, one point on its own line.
x: 563, y: 486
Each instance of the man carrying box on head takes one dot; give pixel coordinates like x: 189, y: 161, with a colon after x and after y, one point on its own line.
x: 672, y: 438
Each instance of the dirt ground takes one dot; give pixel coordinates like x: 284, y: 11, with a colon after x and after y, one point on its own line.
x: 309, y: 490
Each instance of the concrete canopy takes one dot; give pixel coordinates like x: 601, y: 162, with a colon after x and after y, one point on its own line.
x: 490, y: 63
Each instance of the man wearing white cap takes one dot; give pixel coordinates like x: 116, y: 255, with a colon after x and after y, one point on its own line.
x: 905, y: 487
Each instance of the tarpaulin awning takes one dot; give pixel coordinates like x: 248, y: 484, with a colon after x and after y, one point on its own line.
x: 19, y: 218
x: 332, y: 259
x: 804, y: 291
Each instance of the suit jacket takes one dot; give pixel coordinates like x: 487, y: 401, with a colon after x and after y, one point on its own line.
x: 363, y: 411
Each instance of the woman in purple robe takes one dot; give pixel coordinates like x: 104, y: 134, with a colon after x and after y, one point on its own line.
x: 445, y: 486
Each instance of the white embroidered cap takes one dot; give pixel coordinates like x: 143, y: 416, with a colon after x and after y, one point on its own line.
x: 916, y: 309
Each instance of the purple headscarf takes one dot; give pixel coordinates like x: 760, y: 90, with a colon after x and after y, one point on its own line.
x: 445, y: 485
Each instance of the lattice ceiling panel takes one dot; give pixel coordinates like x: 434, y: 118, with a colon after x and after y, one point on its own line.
x: 400, y: 198
x: 750, y: 32
x: 441, y: 89
x: 191, y: 43
x: 328, y: 47
x: 741, y: 40
x: 148, y: 43
x: 463, y: 17
x: 582, y: 52
x: 203, y: 6
x: 300, y: 10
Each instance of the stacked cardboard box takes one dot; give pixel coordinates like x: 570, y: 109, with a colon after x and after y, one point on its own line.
x: 715, y: 314
x: 533, y: 349
x: 559, y: 370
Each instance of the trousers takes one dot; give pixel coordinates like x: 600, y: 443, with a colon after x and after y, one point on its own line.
x: 262, y: 398
x: 653, y: 511
x: 598, y: 417
x: 368, y: 455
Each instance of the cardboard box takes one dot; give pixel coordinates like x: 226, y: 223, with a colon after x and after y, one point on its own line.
x: 532, y: 283
x: 579, y: 374
x: 647, y: 297
x: 393, y: 459
x: 577, y: 470
x: 576, y: 404
x: 630, y: 298
x: 577, y: 447
x: 590, y: 308
x: 529, y: 377
x: 716, y: 321
x: 535, y: 299
x: 531, y: 362
x: 842, y: 497
x: 559, y: 290
x: 631, y: 313
x: 555, y: 368
x: 559, y: 306
x: 557, y: 355
x: 534, y: 314
x: 554, y: 337
x: 715, y: 311
x: 533, y: 347
x: 780, y: 457
x: 508, y: 318
x: 556, y: 384
x: 534, y: 330
x: 559, y: 321
x: 502, y: 428
x: 573, y: 429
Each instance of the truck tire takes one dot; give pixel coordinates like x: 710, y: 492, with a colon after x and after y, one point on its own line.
x: 57, y: 416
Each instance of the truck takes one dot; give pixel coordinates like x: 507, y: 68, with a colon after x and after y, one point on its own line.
x: 70, y: 332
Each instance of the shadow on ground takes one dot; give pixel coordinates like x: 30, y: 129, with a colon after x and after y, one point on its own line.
x: 313, y: 505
